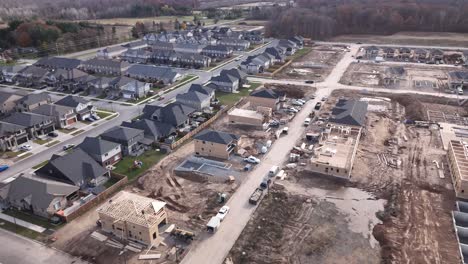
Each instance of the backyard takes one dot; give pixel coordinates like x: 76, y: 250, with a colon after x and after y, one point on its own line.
x: 232, y: 98
x: 126, y: 167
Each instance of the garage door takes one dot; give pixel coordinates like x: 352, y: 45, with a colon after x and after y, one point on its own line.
x: 71, y: 121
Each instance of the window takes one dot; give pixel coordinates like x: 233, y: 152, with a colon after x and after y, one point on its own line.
x: 154, y: 235
x: 113, y: 227
x: 204, y: 142
x: 337, y: 170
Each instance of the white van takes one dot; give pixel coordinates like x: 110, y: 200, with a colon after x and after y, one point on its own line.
x: 213, y: 224
x: 307, y: 122
x: 273, y: 171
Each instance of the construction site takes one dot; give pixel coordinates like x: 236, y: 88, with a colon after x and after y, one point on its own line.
x: 314, y: 65
x: 418, y: 77
x: 395, y: 207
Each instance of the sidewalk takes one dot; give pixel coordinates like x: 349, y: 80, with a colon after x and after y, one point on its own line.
x: 22, y: 223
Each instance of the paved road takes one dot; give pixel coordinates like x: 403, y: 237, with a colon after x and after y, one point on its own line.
x: 19, y: 250
x: 391, y: 45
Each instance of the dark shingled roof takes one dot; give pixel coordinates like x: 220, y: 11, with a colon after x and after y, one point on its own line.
x: 173, y: 113
x: 265, y: 93
x: 121, y: 133
x: 151, y: 128
x: 71, y: 101
x: 31, y: 99
x: 97, y: 146
x: 26, y: 119
x: 216, y: 136
x: 8, y: 129
x: 58, y: 63
x: 201, y: 89
x: 349, y: 112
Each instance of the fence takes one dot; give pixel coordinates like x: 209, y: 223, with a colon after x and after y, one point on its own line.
x: 281, y: 68
x: 122, y: 181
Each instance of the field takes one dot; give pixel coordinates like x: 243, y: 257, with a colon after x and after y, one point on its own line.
x: 410, y: 38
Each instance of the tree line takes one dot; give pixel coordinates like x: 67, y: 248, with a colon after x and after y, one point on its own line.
x: 327, y: 18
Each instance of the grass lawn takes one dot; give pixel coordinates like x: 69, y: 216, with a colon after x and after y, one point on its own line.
x: 110, y: 117
x: 67, y: 130
x: 232, y: 98
x: 22, y: 231
x: 300, y: 53
x: 53, y: 143
x: 30, y: 218
x: 110, y: 182
x: 77, y: 132
x: 42, y: 141
x: 40, y: 164
x: 103, y: 114
x: 183, y: 81
x: 11, y: 154
x: 125, y: 166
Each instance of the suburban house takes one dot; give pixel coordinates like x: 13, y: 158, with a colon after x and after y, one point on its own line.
x: 266, y: 98
x: 101, y: 86
x: 174, y: 114
x: 256, y: 64
x: 129, y: 138
x: 236, y: 73
x: 437, y: 55
x: 215, y: 144
x: 63, y: 116
x: 36, y: 125
x: 8, y: 73
x: 349, y: 112
x: 152, y: 74
x: 103, y: 151
x: 235, y: 43
x: 371, y: 51
x: 389, y: 53
x: 39, y: 196
x: 195, y: 100
x: 111, y: 52
x: 180, y: 59
x: 458, y: 79
x: 8, y: 102
x: 31, y: 76
x: 129, y: 88
x: 288, y: 46
x: 298, y: 40
x: 137, y: 56
x: 82, y: 107
x: 32, y: 101
x: 105, y: 66
x: 225, y: 83
x: 11, y: 136
x: 76, y: 168
x: 404, y: 53
x: 420, y: 54
x: 217, y: 51
x: 55, y: 63
x: 278, y: 56
x: 64, y: 78
x: 202, y: 89
x: 154, y: 131
x: 254, y: 37
x: 188, y: 48
x: 133, y: 217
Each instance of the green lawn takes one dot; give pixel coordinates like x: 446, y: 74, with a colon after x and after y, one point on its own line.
x: 22, y: 231
x: 53, y: 143
x: 125, y: 166
x: 300, y: 53
x: 232, y: 98
x: 11, y: 154
x: 40, y: 165
x: 103, y: 114
x: 111, y: 117
x: 183, y: 81
x: 77, y: 132
x: 67, y: 130
x: 33, y: 219
x: 42, y: 141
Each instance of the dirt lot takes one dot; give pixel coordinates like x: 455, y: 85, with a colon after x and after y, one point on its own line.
x: 315, y: 65
x: 414, y: 77
x: 409, y: 38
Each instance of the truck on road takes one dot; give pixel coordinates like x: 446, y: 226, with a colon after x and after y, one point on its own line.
x: 256, y: 196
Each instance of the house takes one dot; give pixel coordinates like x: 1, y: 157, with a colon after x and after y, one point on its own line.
x: 217, y: 51
x: 63, y: 116
x: 202, y: 89
x: 38, y: 196
x: 458, y: 79
x: 54, y: 63
x: 82, y: 107
x: 278, y: 56
x: 31, y: 76
x: 254, y: 37
x: 457, y: 154
x: 215, y: 144
x: 105, y: 66
x: 257, y: 64
x: 188, y: 48
x: 138, y: 44
x: 236, y: 73
x: 133, y: 217
x: 371, y: 51
x: 225, y: 83
x: 404, y: 53
x: 247, y: 117
x: 234, y: 43
x: 129, y: 88
x: 111, y: 52
x: 8, y: 73
x: 11, y: 136
x: 192, y: 60
x: 8, y: 102
x: 76, y: 168
x: 154, y: 131
x: 388, y: 52
x: 137, y: 56
x: 393, y: 75
x: 299, y: 40
x: 420, y: 54
x: 195, y: 100
x: 152, y: 74
x: 64, y: 78
x: 129, y: 138
x: 35, y: 125
x: 101, y: 86
x: 266, y: 98
x: 290, y: 47
x: 103, y: 151
x: 349, y: 112
x: 32, y: 101
x: 437, y: 55
x: 162, y: 46
x: 174, y: 114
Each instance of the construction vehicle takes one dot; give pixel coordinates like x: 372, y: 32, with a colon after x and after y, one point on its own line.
x: 256, y: 196
x: 183, y: 234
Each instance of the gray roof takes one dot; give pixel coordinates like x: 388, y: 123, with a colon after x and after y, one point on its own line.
x: 37, y: 192
x: 7, y: 128
x: 71, y: 101
x: 150, y: 71
x: 349, y: 112
x: 458, y: 76
x: 265, y: 93
x: 26, y: 119
x: 201, y: 89
x: 52, y: 110
x: 33, y: 71
x: 235, y: 73
x: 122, y: 133
x: 76, y: 166
x: 226, y: 78
x: 5, y: 96
x: 217, y: 48
x: 31, y: 99
x: 58, y: 63
x: 173, y: 113
x: 192, y: 96
x: 106, y: 63
x: 97, y: 146
x: 216, y: 136
x: 151, y: 128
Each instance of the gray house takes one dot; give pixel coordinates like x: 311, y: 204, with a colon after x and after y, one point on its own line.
x: 103, y: 151
x: 154, y: 131
x: 349, y: 112
x: 8, y: 102
x: 217, y: 51
x: 202, y: 89
x: 54, y: 63
x: 130, y: 139
x: 225, y: 83
x: 105, y: 66
x: 63, y: 116
x: 12, y: 135
x: 195, y: 100
x: 174, y: 114
x: 82, y: 107
x: 150, y: 73
x: 36, y: 125
x: 32, y: 101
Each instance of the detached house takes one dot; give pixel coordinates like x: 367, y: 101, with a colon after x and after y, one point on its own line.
x: 236, y: 73
x: 256, y: 64
x: 349, y: 112
x: 32, y: 101
x: 215, y: 144
x: 31, y: 76
x: 154, y: 131
x: 129, y: 138
x: 82, y: 107
x: 266, y: 98
x: 202, y: 89
x: 174, y: 114
x: 105, y: 66
x: 63, y: 116
x: 103, y: 151
x: 195, y: 100
x: 8, y: 73
x: 225, y: 83
x: 111, y: 52
x: 8, y: 102
x: 11, y: 136
x: 129, y: 88
x: 276, y: 53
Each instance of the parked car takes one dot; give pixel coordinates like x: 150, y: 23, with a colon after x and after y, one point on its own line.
x: 324, y: 98
x: 309, y: 81
x: 252, y: 159
x: 307, y: 121
x: 53, y: 134
x: 318, y: 105
x: 297, y: 103
x: 25, y: 147
x: 4, y: 167
x: 292, y: 110
x: 301, y: 100
x: 150, y: 101
x: 68, y: 146
x: 274, y: 123
x: 95, y: 117
x: 43, y: 87
x: 223, y: 212
x: 265, y: 182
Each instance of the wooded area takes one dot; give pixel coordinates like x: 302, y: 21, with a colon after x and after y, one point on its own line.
x: 326, y: 18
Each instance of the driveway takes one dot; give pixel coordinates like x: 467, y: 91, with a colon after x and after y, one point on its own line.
x: 17, y: 249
